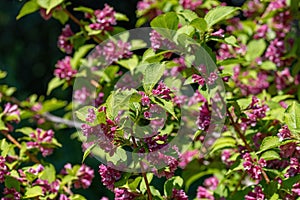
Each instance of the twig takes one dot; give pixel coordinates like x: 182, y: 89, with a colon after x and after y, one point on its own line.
x: 31, y: 157
x: 14, y: 141
x: 239, y: 184
x: 60, y: 120
x: 143, y: 173
x: 74, y: 19
x: 238, y: 130
x: 241, y: 135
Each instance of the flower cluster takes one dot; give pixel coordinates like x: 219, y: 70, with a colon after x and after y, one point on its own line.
x: 178, y: 194
x: 3, y: 169
x: 63, y: 41
x: 253, y: 168
x: 64, y: 69
x: 41, y: 139
x: 254, y: 112
x: 109, y: 176
x: 190, y: 4
x: 84, y: 175
x: 104, y: 19
x: 257, y: 194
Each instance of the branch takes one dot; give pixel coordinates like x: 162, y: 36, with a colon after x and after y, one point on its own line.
x: 59, y: 120
x: 14, y: 141
x: 74, y: 19
x: 238, y: 130
x: 143, y: 173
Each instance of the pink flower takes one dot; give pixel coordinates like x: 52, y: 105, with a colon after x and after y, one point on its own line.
x: 11, y: 194
x: 12, y: 112
x: 41, y: 139
x: 190, y: 4
x: 123, y: 194
x: 203, y: 193
x: 3, y: 169
x: 257, y: 194
x: 187, y: 157
x: 113, y: 51
x: 109, y: 175
x: 253, y: 167
x: 162, y: 91
x: 85, y: 176
x: 81, y: 95
x: 284, y: 133
x: 178, y: 195
x: 105, y: 18
x: 211, y: 183
x: 203, y: 120
x: 64, y: 70
x: 64, y: 40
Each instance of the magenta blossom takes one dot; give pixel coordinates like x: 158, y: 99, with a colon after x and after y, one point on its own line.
x: 41, y: 139
x: 105, y: 19
x: 64, y: 40
x: 64, y: 70
x: 109, y: 175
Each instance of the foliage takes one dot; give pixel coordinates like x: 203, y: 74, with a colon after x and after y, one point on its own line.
x: 254, y: 155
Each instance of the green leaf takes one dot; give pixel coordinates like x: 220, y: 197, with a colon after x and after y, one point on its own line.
x: 143, y: 187
x: 123, y: 180
x: 28, y: 7
x: 129, y: 63
x: 82, y: 51
x: 54, y: 83
x: 117, y: 101
x: 52, y: 104
x: 2, y: 125
x: 152, y: 75
x: 164, y: 24
x: 196, y: 177
x: 231, y: 40
x: 200, y: 24
x: 134, y: 183
x: 255, y: 49
x: 292, y: 118
x: 35, y: 191
x: 167, y: 105
x: 174, y: 182
x: 5, y: 147
x: 223, y: 142
x: 84, y: 9
x: 48, y: 173
x: 269, y: 142
x: 25, y: 130
x: 2, y: 74
x: 11, y: 182
x: 270, y: 155
x: 275, y: 196
x: 77, y: 197
x: 121, y: 17
x: 189, y: 15
x: 82, y: 113
x: 87, y: 152
x: 49, y: 4
x: 137, y: 44
x: 218, y: 14
x: 155, y: 192
x: 61, y: 16
x: 68, y: 179
x: 268, y: 65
